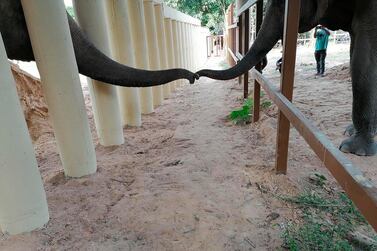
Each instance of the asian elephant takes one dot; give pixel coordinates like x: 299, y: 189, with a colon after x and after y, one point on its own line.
x: 359, y: 18
x: 91, y: 62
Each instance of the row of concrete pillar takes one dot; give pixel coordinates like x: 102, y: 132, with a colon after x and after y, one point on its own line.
x: 139, y: 33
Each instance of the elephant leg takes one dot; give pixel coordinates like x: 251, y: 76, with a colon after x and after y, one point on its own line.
x: 364, y: 86
x: 350, y: 130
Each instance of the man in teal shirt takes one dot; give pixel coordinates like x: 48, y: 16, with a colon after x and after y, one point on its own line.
x: 322, y: 39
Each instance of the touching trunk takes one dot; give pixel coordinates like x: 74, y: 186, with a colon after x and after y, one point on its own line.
x: 96, y: 65
x: 271, y: 31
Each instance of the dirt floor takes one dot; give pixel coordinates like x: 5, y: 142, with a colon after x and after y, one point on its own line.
x: 189, y: 179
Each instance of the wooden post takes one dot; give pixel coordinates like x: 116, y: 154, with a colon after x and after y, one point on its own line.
x: 258, y: 67
x: 91, y: 16
x: 245, y: 34
x: 240, y: 44
x: 123, y: 49
x: 54, y: 54
x: 23, y: 205
x: 292, y: 16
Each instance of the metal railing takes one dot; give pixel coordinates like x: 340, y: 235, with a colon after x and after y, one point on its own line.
x: 360, y: 190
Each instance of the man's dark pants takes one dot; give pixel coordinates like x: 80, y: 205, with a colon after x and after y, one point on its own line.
x: 320, y: 57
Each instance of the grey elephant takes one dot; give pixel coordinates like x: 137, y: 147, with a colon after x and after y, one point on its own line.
x: 91, y: 62
x: 357, y: 17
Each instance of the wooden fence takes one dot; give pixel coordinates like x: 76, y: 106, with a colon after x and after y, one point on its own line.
x: 361, y: 191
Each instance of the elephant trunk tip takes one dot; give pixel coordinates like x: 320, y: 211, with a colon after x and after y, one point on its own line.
x: 218, y: 75
x: 191, y: 77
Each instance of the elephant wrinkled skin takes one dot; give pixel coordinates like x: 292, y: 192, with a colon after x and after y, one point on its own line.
x: 91, y: 62
x: 357, y: 17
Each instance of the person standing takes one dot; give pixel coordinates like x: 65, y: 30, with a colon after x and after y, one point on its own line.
x: 321, y: 34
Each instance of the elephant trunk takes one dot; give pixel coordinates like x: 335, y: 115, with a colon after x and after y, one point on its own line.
x: 96, y: 65
x: 271, y: 31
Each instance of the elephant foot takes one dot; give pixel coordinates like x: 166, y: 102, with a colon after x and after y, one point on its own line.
x: 360, y: 145
x: 350, y: 130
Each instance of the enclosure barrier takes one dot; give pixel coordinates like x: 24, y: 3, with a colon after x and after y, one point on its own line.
x: 122, y: 47
x: 153, y: 50
x: 19, y: 176
x: 215, y: 45
x: 119, y: 29
x: 92, y: 19
x: 360, y: 190
x: 61, y: 84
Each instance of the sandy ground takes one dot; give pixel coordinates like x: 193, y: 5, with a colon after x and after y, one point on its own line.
x: 188, y: 178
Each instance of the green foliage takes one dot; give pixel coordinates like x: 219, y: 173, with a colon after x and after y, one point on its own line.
x: 243, y: 115
x: 210, y: 12
x: 327, y: 220
x: 315, y: 236
x: 266, y: 104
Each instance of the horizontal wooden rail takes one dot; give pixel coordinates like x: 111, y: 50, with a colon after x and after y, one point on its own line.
x: 233, y: 26
x: 361, y: 191
x: 239, y: 56
x: 235, y: 58
x: 246, y: 6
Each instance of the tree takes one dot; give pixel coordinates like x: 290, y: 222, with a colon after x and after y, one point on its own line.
x: 210, y: 12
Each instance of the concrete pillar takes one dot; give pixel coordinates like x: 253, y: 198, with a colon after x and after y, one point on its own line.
x: 180, y: 53
x: 177, y: 48
x: 161, y: 39
x: 123, y: 51
x: 23, y: 205
x: 196, y: 48
x: 139, y: 39
x: 153, y: 52
x: 53, y: 51
x: 183, y: 44
x: 91, y: 16
x: 171, y: 47
x: 184, y: 47
x: 193, y: 48
x: 188, y: 46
